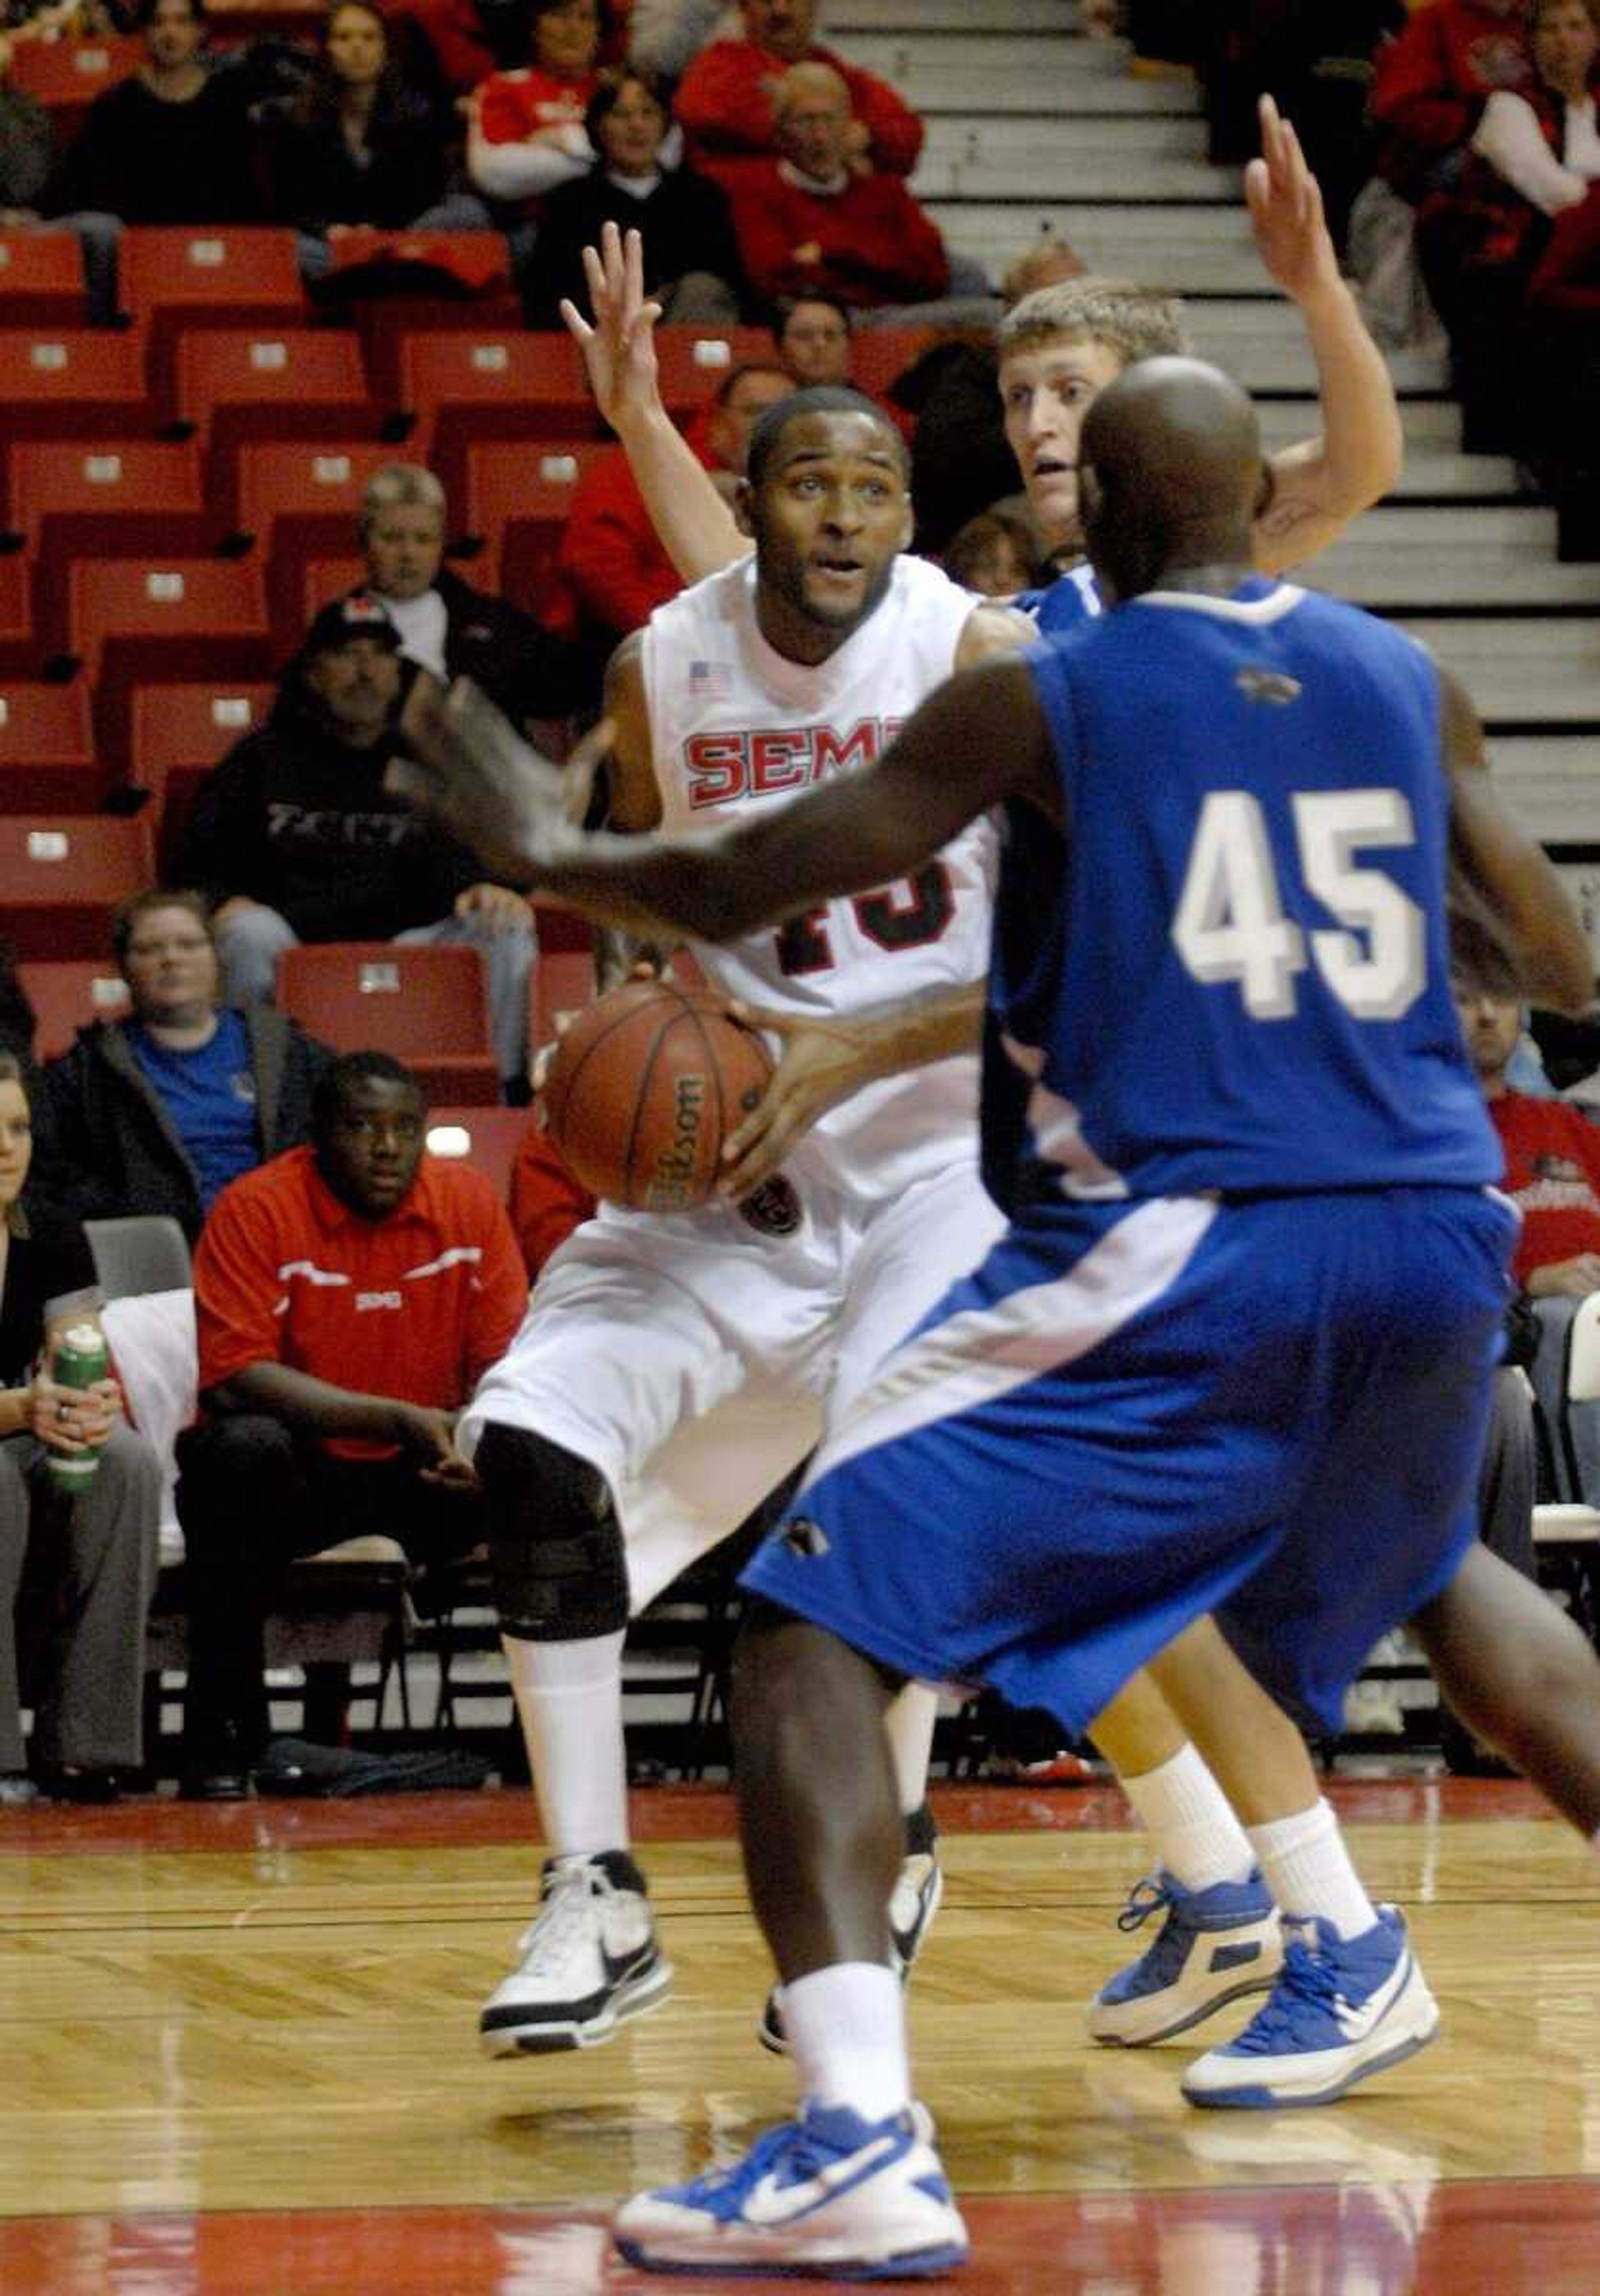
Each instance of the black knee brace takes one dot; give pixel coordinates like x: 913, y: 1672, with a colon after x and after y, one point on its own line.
x: 555, y: 1556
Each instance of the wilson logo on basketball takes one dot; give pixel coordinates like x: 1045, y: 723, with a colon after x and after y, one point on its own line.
x: 671, y: 1186
x: 765, y: 763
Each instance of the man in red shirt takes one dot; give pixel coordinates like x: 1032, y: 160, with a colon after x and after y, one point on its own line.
x: 807, y: 224
x: 725, y: 101
x: 613, y: 570
x: 1552, y: 1176
x: 1432, y: 83
x: 348, y: 1296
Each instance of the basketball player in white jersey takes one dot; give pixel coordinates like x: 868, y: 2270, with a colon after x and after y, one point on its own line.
x: 672, y: 1371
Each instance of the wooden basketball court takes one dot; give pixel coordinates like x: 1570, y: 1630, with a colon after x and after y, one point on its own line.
x: 240, y: 2060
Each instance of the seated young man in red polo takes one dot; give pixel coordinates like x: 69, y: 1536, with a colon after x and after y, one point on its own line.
x: 348, y: 1296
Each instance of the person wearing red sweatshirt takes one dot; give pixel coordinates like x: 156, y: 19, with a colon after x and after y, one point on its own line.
x: 806, y: 224
x: 725, y: 101
x: 1433, y: 81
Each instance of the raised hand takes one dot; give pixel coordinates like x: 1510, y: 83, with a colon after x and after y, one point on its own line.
x: 1286, y: 207
x: 618, y: 349
x: 474, y: 774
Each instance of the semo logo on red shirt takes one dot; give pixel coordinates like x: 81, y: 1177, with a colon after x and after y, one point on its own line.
x: 766, y: 762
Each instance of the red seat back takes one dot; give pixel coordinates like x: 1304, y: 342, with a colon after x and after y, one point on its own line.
x: 427, y: 1006
x: 61, y: 879
x: 67, y: 994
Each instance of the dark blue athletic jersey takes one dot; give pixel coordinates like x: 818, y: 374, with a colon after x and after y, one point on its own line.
x: 1070, y: 599
x: 1234, y: 976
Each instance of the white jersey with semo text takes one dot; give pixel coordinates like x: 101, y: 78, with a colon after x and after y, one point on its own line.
x: 736, y: 725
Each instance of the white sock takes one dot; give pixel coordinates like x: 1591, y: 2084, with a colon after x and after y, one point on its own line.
x: 1190, y: 1821
x: 569, y: 1702
x: 846, y: 2034
x: 909, y: 1722
x: 1308, y: 1870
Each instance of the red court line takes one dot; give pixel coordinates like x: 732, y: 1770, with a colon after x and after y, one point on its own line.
x: 668, y: 1813
x: 1478, y: 2238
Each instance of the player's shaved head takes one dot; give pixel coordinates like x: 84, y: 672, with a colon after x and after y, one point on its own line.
x: 1172, y: 473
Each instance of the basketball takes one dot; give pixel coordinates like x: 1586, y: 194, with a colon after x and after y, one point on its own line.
x: 645, y: 1087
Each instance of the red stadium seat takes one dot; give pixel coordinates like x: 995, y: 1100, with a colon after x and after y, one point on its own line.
x: 299, y: 500
x: 694, y: 360
x: 176, y: 278
x: 20, y: 653
x: 73, y: 382
x: 67, y: 995
x: 487, y: 1138
x: 66, y: 75
x: 237, y: 383
x: 112, y: 500
x: 63, y: 879
x: 879, y: 354
x: 41, y: 279
x: 322, y: 580
x: 518, y: 495
x: 47, y: 760
x: 383, y: 322
x: 461, y: 385
x: 429, y: 1006
x: 176, y: 735
x: 133, y: 621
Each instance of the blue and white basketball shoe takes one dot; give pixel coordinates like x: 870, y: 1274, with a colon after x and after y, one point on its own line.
x: 1214, y: 1946
x: 1342, y: 2009
x: 829, y: 2196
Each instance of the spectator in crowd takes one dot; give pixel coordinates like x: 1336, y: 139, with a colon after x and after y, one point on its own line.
x: 156, y: 1114
x: 18, y: 1019
x: 348, y: 1296
x: 613, y: 570
x: 356, y: 147
x: 547, y: 1199
x: 293, y: 837
x: 1432, y: 85
x: 726, y: 102
x: 168, y: 145
x: 525, y: 129
x: 664, y: 37
x: 25, y: 147
x: 993, y: 554
x: 444, y: 625
x: 1552, y: 1174
x: 807, y: 221
x: 813, y: 338
x: 470, y: 39
x: 1531, y: 158
x: 691, y: 259
x: 95, y: 1547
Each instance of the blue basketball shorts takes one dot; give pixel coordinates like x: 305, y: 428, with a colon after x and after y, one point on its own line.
x: 1131, y: 1414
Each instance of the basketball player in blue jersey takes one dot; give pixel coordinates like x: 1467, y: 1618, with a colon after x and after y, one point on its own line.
x: 1253, y: 1252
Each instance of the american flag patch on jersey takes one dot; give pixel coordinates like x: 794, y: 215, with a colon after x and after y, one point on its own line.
x: 711, y: 681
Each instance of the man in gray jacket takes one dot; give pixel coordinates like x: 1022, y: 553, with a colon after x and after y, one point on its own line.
x: 158, y: 1111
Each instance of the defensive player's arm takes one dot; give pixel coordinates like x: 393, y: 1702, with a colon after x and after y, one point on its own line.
x: 979, y: 741
x: 1321, y: 483
x: 1497, y: 868
x: 695, y: 525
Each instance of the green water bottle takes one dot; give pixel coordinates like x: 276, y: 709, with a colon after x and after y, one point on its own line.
x: 79, y: 1359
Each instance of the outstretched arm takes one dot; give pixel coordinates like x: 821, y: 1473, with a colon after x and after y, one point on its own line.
x: 695, y: 523
x: 980, y: 739
x: 1495, y: 864
x: 1323, y: 483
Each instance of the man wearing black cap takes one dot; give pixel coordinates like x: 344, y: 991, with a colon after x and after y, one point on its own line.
x: 292, y: 837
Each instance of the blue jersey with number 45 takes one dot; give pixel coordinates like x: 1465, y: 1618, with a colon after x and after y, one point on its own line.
x: 1243, y: 982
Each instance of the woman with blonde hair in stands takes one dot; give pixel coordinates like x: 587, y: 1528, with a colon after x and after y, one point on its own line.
x: 95, y: 1548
